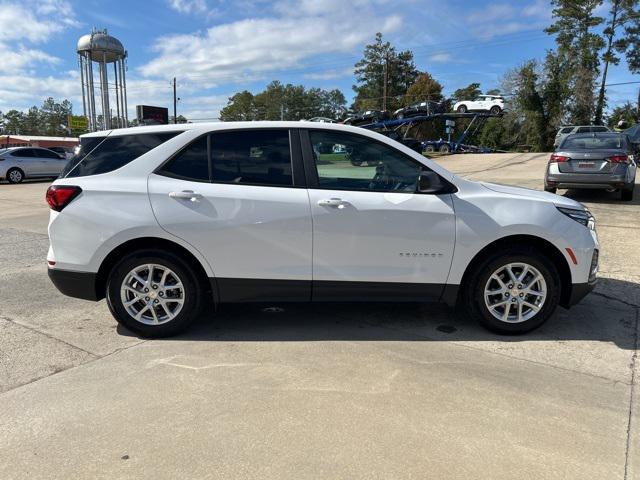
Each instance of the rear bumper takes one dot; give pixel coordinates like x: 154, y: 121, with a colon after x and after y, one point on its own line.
x: 75, y: 284
x: 557, y: 179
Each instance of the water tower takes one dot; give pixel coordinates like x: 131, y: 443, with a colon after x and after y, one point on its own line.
x: 102, y: 50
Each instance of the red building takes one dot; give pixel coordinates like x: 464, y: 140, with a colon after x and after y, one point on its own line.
x: 36, y: 141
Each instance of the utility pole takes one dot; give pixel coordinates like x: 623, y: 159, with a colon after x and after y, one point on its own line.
x: 282, y: 111
x: 385, y: 81
x: 175, y: 102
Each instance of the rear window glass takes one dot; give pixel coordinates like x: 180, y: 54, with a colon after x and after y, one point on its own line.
x: 191, y: 163
x: 105, y: 154
x: 610, y: 142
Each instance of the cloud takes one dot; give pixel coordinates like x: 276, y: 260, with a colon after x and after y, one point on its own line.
x: 29, y: 90
x: 249, y: 48
x: 503, y: 18
x: 330, y: 74
x: 441, y: 58
x: 189, y: 6
x: 33, y: 21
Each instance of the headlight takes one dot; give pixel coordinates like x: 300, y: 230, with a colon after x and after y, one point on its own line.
x: 581, y: 216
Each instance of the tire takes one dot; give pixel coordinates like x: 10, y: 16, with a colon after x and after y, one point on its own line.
x: 627, y: 194
x: 152, y: 323
x: 550, y: 189
x: 429, y: 148
x: 495, y: 110
x: 356, y: 163
x: 15, y: 175
x: 473, y: 293
x: 400, y: 116
x: 462, y: 109
x: 444, y: 148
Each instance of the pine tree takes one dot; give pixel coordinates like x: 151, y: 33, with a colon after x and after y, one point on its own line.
x: 383, y: 76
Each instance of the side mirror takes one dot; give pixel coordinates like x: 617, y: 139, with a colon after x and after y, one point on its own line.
x: 430, y: 182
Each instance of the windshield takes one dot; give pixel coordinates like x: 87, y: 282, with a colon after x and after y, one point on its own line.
x: 610, y: 142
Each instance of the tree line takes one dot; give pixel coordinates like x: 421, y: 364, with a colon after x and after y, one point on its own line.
x: 50, y: 119
x: 567, y: 86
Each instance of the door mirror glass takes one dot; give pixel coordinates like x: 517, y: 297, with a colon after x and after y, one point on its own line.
x: 430, y: 182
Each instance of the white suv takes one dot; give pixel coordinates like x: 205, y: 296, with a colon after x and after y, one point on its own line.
x: 161, y: 219
x: 484, y: 103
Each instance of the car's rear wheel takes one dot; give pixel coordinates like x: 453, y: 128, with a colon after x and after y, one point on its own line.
x: 495, y: 110
x: 513, y: 291
x: 462, y: 109
x: 550, y: 189
x: 627, y: 193
x: 15, y: 175
x: 429, y: 148
x: 445, y: 148
x: 154, y: 293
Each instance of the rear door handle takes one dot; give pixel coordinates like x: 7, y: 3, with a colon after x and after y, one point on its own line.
x: 186, y: 195
x: 332, y: 202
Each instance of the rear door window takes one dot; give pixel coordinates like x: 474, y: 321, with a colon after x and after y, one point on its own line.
x: 24, y: 152
x: 599, y: 129
x: 252, y: 157
x: 48, y: 154
x: 104, y: 154
x: 583, y: 130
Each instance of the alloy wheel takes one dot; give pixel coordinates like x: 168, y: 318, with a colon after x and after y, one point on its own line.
x: 15, y: 176
x: 515, y: 292
x: 152, y: 294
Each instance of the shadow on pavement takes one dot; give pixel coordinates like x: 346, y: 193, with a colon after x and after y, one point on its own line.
x: 599, y: 317
x: 601, y: 196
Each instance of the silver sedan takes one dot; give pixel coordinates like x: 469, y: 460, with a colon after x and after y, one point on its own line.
x: 593, y: 160
x: 18, y: 163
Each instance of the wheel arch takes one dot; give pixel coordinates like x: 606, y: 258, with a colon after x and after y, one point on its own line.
x: 537, y: 243
x: 148, y: 243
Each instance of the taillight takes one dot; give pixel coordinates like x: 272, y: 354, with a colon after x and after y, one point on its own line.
x: 59, y: 196
x: 619, y: 159
x: 558, y: 158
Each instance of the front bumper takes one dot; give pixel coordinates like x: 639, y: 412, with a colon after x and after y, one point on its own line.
x: 75, y: 284
x: 579, y: 291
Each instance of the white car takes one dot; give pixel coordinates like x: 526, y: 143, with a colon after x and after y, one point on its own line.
x: 484, y: 103
x: 160, y: 220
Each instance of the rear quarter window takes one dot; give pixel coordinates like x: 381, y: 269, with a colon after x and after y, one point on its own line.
x: 104, y: 154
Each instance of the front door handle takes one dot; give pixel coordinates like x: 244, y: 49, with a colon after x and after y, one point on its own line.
x: 186, y: 195
x: 332, y: 202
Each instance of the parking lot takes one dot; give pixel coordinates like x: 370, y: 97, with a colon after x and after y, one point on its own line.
x: 384, y: 391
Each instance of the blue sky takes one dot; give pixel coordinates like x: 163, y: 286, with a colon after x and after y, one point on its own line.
x: 216, y: 48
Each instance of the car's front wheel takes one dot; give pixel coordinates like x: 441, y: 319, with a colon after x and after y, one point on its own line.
x: 513, y: 291
x: 154, y: 293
